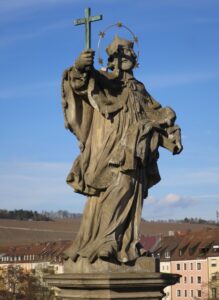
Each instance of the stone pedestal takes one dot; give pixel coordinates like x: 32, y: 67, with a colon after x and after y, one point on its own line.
x: 116, y: 285
x: 142, y: 264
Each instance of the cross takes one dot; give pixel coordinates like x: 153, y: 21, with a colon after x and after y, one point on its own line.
x: 87, y: 21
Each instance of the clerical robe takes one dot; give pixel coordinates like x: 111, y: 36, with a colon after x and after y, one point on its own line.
x: 119, y: 127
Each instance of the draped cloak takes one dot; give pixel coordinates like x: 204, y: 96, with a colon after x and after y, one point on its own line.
x: 119, y: 127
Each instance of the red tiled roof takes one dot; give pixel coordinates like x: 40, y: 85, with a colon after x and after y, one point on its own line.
x: 48, y: 249
x: 149, y: 242
x: 190, y: 246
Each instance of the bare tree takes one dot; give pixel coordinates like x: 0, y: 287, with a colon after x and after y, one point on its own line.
x: 214, y: 287
x: 16, y: 284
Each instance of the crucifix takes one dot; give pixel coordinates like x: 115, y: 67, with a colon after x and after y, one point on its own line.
x: 87, y: 21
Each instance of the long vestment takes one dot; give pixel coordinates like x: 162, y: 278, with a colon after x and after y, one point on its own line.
x: 118, y: 125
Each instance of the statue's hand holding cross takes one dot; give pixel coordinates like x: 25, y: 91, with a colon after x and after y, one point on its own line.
x: 86, y: 58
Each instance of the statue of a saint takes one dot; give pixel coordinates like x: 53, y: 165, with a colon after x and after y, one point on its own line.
x: 120, y: 128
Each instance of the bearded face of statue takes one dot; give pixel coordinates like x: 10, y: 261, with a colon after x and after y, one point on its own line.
x: 123, y: 59
x: 126, y: 58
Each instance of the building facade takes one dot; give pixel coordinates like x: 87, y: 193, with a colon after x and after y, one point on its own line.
x: 47, y: 256
x: 195, y: 256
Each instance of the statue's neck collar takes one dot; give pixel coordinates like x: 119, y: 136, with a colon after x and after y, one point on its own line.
x: 123, y: 76
x: 126, y: 76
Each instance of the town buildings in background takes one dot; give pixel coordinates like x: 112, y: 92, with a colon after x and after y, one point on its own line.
x: 39, y: 256
x: 195, y: 256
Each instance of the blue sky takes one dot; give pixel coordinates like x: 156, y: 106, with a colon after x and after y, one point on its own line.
x: 179, y: 65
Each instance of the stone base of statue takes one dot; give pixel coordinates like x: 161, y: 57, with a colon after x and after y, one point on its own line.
x: 137, y: 281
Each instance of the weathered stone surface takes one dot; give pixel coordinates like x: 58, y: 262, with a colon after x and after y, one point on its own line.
x: 142, y: 264
x: 120, y: 127
x: 115, y: 286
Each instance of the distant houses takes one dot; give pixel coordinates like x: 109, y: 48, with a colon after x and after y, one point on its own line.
x: 195, y: 256
x: 46, y: 256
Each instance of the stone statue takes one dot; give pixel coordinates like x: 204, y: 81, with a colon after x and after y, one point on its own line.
x: 120, y: 128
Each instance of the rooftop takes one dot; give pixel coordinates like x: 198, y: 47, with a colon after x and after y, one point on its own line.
x: 193, y: 245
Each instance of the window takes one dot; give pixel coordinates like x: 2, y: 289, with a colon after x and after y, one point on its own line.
x: 198, y: 266
x: 216, y: 248
x: 191, y: 279
x: 203, y: 251
x: 214, y: 293
x: 199, y: 293
x: 178, y: 267
x: 185, y: 279
x: 184, y: 266
x: 178, y: 293
x: 213, y: 277
x: 191, y: 266
x: 213, y: 262
x: 167, y: 254
x: 199, y: 279
x: 191, y: 250
x: 180, y: 252
x: 192, y: 293
x: 185, y: 293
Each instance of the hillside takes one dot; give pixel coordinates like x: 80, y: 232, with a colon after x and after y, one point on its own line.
x: 14, y: 232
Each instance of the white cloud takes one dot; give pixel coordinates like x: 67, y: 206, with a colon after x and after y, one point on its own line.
x: 41, y: 185
x: 177, y: 206
x: 176, y: 201
x: 171, y: 206
x: 150, y: 200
